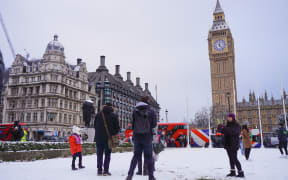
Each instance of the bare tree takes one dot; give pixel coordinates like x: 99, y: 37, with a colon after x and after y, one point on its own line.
x: 201, y: 118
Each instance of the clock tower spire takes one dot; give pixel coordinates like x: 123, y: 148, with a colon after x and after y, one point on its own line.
x: 222, y: 66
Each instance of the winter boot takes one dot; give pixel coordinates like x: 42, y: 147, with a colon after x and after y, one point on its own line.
x: 240, y: 174
x: 139, y: 173
x: 152, y: 178
x: 106, y: 173
x: 129, y: 177
x: 81, y: 166
x: 74, y: 168
x: 99, y: 173
x: 145, y: 173
x: 232, y: 173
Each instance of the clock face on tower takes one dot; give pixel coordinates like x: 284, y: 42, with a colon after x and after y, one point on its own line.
x: 219, y: 45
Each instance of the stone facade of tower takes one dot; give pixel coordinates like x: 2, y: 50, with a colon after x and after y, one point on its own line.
x: 222, y: 66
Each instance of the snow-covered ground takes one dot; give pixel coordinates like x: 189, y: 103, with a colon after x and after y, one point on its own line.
x: 182, y: 164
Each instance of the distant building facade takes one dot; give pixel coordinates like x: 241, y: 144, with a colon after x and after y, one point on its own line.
x: 271, y: 111
x: 47, y: 94
x: 121, y: 93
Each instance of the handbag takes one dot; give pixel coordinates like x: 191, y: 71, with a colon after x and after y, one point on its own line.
x: 113, y: 141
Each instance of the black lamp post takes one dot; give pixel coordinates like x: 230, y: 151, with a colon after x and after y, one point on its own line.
x: 228, y: 96
x: 166, y: 112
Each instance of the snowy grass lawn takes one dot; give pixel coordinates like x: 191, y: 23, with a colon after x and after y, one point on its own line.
x: 182, y: 164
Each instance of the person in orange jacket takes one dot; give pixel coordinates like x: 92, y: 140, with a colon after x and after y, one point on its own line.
x: 75, y: 146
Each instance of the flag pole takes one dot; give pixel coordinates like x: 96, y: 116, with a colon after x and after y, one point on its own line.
x: 188, y: 129
x: 284, y: 110
x: 260, y: 123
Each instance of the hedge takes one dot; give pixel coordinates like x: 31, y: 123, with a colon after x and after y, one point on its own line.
x: 31, y: 146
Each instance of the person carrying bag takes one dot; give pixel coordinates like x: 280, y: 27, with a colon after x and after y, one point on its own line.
x: 106, y: 129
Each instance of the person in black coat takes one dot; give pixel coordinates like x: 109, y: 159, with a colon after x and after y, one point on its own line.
x: 16, y: 132
x: 101, y: 137
x: 282, y: 136
x: 232, y: 143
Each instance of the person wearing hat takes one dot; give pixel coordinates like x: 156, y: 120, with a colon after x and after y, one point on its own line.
x: 247, y: 144
x: 75, y: 146
x: 282, y: 136
x: 232, y: 143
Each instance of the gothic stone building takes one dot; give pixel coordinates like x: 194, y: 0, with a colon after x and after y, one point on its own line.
x: 47, y: 94
x: 121, y: 93
x: 271, y: 111
x: 223, y: 82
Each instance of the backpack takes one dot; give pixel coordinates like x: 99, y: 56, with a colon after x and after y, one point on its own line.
x: 141, y: 122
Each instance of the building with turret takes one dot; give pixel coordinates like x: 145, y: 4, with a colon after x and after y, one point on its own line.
x: 123, y: 94
x: 47, y: 94
x: 223, y: 82
x: 271, y: 111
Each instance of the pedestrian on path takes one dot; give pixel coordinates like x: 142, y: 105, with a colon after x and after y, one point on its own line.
x: 247, y: 144
x: 232, y: 143
x: 143, y: 122
x: 282, y: 136
x: 107, y: 118
x: 75, y: 147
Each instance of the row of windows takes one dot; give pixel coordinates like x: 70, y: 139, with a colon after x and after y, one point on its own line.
x: 39, y: 117
x: 52, y: 102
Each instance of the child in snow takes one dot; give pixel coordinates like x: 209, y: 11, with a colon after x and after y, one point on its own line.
x: 75, y: 146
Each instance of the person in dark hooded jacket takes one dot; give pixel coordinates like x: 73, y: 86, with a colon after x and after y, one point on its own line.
x: 101, y: 137
x: 282, y: 137
x: 232, y: 143
x: 143, y: 121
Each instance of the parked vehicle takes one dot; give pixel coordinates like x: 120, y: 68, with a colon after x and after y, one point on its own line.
x: 51, y: 139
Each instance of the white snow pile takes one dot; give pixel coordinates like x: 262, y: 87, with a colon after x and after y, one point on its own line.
x: 173, y: 164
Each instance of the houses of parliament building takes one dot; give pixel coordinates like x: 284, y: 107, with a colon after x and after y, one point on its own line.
x: 223, y: 82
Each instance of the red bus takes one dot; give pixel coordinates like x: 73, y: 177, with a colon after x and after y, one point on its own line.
x: 175, y: 134
x: 128, y: 133
x: 4, y: 128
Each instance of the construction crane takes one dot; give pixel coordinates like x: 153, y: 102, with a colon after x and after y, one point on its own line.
x: 7, y: 36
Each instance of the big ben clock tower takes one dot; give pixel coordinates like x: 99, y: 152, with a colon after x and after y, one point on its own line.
x: 222, y: 66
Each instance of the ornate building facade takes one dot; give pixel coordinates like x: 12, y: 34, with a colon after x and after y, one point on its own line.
x: 271, y: 111
x: 47, y: 94
x: 222, y: 65
x: 121, y: 93
x: 223, y: 82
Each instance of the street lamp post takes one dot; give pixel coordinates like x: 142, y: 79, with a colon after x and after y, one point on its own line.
x: 228, y: 96
x: 166, y: 112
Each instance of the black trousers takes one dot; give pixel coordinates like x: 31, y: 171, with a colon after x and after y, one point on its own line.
x: 233, y: 159
x: 78, y: 154
x: 247, y: 153
x: 283, y: 145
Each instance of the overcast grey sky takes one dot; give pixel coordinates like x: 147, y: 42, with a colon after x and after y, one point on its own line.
x: 162, y: 41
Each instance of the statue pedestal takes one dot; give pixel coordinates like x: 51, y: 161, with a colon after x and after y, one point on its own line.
x: 90, y: 132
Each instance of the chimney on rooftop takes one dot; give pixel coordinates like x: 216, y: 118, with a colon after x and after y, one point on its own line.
x: 138, y: 81
x: 102, y: 60
x: 128, y: 76
x: 146, y: 87
x: 79, y: 60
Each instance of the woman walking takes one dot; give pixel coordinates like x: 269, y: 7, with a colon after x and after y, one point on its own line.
x: 247, y: 144
x: 232, y: 143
